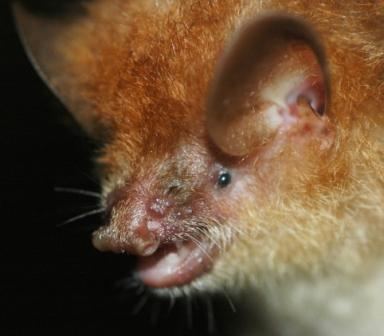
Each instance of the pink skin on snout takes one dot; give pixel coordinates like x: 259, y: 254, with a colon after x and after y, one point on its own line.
x: 155, y: 229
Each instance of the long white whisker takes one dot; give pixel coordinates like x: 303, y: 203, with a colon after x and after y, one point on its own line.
x: 78, y: 192
x: 84, y: 215
x: 171, y: 301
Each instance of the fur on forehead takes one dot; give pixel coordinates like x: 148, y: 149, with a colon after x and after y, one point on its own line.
x: 148, y: 83
x: 149, y: 69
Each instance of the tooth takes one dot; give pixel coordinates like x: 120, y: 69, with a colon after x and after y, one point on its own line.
x: 150, y: 248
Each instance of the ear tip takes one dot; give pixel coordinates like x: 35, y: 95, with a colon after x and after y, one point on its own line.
x: 287, y: 26
x: 25, y: 29
x: 41, y: 39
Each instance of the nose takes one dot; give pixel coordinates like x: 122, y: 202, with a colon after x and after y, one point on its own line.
x: 136, y: 227
x: 140, y: 239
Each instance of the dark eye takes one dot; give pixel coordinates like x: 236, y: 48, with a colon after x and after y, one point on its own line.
x: 224, y: 179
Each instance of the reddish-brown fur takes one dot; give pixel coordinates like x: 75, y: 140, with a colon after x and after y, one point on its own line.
x: 137, y: 75
x: 152, y: 76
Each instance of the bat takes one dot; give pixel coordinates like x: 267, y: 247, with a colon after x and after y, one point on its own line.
x: 242, y: 147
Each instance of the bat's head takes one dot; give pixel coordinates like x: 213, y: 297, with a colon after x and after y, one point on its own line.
x: 233, y: 153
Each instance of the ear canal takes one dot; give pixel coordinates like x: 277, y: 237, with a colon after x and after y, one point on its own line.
x: 44, y: 39
x: 274, y: 66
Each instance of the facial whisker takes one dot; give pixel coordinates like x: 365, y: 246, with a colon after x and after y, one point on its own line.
x: 84, y: 215
x: 210, y: 316
x: 199, y: 245
x: 140, y: 305
x: 79, y: 192
x: 128, y: 283
x: 189, y: 312
x: 79, y: 208
x: 172, y: 301
x: 229, y: 300
x: 209, y: 236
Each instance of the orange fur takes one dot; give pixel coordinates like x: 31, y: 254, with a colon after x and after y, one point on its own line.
x: 142, y: 72
x: 152, y: 74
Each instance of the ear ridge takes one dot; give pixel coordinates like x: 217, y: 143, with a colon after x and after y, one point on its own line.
x: 272, y: 63
x: 40, y: 36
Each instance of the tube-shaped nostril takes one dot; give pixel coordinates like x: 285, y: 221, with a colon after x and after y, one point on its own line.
x: 140, y: 240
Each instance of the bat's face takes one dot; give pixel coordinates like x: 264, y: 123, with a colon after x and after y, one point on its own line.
x: 239, y: 146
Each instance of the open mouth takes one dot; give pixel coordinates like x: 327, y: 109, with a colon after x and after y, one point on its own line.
x: 176, y: 264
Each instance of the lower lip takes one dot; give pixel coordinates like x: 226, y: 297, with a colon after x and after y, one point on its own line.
x: 176, y: 264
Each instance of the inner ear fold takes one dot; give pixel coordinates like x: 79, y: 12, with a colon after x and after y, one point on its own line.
x: 55, y: 50
x: 273, y: 74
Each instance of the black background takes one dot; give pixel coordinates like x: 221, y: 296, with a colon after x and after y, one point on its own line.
x: 53, y: 281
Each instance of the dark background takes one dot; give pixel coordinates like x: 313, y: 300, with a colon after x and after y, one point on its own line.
x: 53, y: 281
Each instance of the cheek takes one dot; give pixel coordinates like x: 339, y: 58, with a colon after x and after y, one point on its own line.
x: 244, y: 189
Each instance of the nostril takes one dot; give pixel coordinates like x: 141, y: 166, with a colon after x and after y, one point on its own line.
x: 140, y: 241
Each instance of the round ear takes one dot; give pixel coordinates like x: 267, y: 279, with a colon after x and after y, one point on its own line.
x: 274, y: 65
x: 54, y: 52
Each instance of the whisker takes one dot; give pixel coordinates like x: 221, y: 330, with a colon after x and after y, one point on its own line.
x: 140, y: 289
x: 79, y: 192
x: 218, y: 235
x: 140, y: 305
x: 128, y: 283
x: 70, y: 208
x: 213, y: 241
x: 230, y: 302
x: 189, y: 312
x: 90, y: 178
x: 84, y: 215
x: 172, y: 301
x: 235, y: 228
x: 210, y: 317
x: 199, y: 245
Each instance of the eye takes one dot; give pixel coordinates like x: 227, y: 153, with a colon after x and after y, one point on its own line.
x: 224, y: 179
